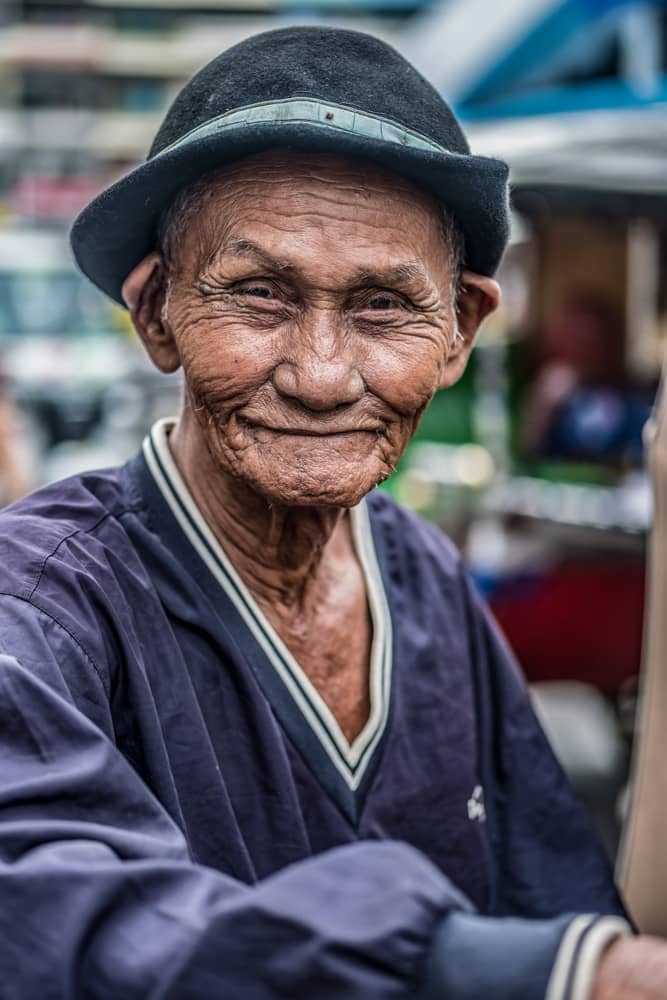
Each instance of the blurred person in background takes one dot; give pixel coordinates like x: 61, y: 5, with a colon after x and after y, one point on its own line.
x: 643, y: 862
x: 582, y: 356
x: 643, y: 855
x: 260, y: 736
x: 14, y: 477
x: 581, y: 406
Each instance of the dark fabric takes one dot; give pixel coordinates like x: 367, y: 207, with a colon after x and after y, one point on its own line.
x: 332, y: 64
x: 161, y: 835
x: 100, y: 898
x: 118, y: 228
x: 517, y: 957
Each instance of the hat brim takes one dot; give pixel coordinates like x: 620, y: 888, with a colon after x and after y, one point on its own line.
x: 118, y: 228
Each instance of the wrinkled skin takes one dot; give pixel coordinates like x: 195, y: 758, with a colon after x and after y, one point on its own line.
x: 632, y: 969
x: 310, y: 305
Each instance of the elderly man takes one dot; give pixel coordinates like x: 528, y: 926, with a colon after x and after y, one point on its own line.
x: 259, y: 736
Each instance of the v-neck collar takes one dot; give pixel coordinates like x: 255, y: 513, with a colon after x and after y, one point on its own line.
x: 344, y: 769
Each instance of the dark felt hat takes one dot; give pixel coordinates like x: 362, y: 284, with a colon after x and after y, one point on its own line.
x: 302, y: 88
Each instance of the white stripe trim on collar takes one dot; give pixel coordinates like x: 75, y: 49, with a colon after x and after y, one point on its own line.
x: 350, y: 760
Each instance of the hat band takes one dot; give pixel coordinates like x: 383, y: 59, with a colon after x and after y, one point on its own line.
x: 302, y: 111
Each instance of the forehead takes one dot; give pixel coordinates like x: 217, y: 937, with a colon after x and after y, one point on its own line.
x: 295, y: 205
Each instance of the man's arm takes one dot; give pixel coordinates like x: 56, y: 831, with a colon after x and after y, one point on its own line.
x: 99, y: 897
x: 13, y: 481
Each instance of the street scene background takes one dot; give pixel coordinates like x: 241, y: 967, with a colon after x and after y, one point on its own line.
x: 534, y: 463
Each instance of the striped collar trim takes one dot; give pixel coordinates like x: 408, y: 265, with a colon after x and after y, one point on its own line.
x: 351, y: 761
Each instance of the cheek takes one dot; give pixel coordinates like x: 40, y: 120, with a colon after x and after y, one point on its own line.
x: 224, y: 363
x: 406, y: 374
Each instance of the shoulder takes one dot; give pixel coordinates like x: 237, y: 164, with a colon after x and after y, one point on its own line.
x: 82, y: 512
x: 420, y: 560
x: 412, y: 537
x: 62, y: 550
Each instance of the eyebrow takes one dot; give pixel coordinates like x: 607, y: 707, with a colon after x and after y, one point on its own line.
x: 397, y: 274
x: 402, y: 274
x: 246, y: 248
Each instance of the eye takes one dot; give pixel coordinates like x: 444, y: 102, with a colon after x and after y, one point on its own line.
x: 382, y: 300
x: 256, y: 290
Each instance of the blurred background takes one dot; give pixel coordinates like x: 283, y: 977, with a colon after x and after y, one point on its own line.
x: 534, y: 461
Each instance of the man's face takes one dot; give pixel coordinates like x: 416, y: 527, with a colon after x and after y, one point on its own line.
x: 310, y: 304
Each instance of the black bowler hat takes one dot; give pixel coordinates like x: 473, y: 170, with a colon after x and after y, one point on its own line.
x: 302, y: 88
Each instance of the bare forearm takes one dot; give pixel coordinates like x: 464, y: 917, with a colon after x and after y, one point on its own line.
x: 633, y: 969
x: 15, y: 482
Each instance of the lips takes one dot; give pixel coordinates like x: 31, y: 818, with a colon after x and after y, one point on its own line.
x: 325, y: 430
x: 309, y: 432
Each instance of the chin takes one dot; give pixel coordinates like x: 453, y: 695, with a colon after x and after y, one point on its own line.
x: 320, y: 494
x: 302, y: 486
x: 296, y: 471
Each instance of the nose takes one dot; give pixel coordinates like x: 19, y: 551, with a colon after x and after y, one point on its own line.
x: 319, y: 372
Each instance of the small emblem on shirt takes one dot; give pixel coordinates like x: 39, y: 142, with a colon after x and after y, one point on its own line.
x: 476, y: 810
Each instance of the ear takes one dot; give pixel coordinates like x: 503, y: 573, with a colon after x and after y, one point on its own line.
x: 476, y: 298
x: 144, y: 293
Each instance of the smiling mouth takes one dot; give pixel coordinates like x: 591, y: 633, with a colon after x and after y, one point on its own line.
x: 325, y: 433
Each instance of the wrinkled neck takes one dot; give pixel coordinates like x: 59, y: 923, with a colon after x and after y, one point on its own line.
x: 278, y: 551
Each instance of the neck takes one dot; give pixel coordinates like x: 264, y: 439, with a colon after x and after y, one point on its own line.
x: 276, y: 550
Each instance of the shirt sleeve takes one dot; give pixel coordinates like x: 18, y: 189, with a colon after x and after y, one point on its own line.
x: 101, y: 899
x: 503, y: 958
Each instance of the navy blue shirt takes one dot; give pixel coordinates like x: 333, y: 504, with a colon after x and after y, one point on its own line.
x: 180, y: 814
